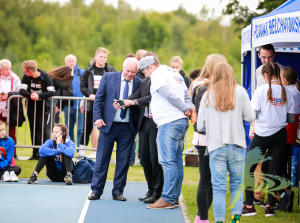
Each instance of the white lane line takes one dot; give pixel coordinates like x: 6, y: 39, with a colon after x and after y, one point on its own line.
x: 84, y: 209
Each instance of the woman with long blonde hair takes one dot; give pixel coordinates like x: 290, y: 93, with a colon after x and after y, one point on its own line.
x: 224, y: 107
x: 198, y: 88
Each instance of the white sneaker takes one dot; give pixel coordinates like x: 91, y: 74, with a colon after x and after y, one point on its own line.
x: 6, y: 177
x: 13, y: 176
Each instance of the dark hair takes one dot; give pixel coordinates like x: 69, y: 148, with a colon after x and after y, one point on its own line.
x: 267, y: 47
x: 291, y: 76
x: 273, y: 70
x: 195, y: 73
x: 129, y: 55
x: 63, y: 129
x: 62, y: 73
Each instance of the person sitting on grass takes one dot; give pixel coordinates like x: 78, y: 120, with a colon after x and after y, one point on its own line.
x: 8, y: 171
x: 56, y: 154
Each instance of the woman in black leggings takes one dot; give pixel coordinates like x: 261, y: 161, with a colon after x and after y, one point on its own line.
x: 197, y: 90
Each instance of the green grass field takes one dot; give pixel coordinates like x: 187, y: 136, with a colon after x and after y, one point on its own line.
x: 189, y: 188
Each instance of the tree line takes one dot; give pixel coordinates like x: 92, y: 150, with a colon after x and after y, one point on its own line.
x: 47, y: 32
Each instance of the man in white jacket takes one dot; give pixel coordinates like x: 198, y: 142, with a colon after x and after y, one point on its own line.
x: 170, y: 106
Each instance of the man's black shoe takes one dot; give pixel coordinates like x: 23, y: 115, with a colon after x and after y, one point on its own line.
x: 94, y: 196
x: 148, y: 194
x: 119, y: 197
x: 151, y: 199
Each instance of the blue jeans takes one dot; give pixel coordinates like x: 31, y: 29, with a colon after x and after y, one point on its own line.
x: 73, y: 114
x: 170, y: 139
x: 231, y: 158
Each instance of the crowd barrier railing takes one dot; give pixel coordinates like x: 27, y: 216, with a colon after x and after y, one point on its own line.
x: 55, y: 100
x: 50, y: 120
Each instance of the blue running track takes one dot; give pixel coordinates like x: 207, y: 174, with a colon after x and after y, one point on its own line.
x: 48, y: 202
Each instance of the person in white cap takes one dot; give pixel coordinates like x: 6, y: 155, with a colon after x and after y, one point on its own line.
x: 170, y: 106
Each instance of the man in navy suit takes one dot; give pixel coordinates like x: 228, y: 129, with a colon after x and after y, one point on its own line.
x: 118, y: 126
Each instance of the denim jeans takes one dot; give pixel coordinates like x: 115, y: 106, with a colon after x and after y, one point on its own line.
x: 73, y: 114
x: 231, y: 158
x: 170, y: 139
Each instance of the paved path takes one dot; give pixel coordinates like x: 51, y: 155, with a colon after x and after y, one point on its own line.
x: 56, y: 202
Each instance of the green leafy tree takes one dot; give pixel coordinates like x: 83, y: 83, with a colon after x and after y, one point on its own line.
x: 149, y: 33
x: 47, y: 32
x: 242, y: 14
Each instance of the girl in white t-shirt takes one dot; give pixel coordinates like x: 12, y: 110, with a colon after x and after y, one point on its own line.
x: 274, y: 107
x: 289, y: 79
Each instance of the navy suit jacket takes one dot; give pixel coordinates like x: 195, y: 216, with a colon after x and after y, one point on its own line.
x: 109, y: 89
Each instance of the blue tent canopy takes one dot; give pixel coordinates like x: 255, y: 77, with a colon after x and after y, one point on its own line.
x: 287, y: 7
x: 280, y: 27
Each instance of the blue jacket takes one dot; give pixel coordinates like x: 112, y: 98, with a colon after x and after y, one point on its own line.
x: 7, y: 147
x: 47, y: 149
x: 108, y: 90
x: 76, y: 84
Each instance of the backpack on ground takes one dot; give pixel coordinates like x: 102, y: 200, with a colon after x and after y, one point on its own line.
x: 83, y: 170
x: 286, y: 201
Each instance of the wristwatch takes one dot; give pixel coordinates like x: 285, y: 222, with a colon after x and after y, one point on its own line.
x: 135, y: 102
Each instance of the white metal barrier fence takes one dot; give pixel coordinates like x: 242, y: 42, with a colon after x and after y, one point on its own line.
x: 56, y: 100
x: 48, y: 116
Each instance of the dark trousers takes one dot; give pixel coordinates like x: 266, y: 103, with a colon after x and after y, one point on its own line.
x: 89, y: 124
x: 288, y: 162
x: 204, y: 192
x: 52, y: 172
x: 124, y: 137
x: 275, y: 171
x: 149, y: 158
x: 38, y: 137
x: 16, y: 169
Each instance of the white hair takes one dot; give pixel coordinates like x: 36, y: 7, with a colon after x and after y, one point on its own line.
x: 131, y: 59
x: 5, y: 63
x: 70, y: 55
